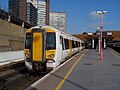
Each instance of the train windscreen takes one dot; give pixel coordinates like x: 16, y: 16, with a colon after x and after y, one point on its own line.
x: 50, y: 41
x: 28, y: 41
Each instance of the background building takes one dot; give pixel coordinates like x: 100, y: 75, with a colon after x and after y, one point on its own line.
x: 109, y: 38
x: 43, y: 11
x: 58, y: 20
x: 24, y: 10
x: 13, y: 6
x: 31, y: 13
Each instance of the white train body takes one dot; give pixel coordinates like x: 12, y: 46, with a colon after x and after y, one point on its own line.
x: 65, y: 46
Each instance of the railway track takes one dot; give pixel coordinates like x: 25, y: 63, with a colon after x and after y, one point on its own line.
x: 16, y: 77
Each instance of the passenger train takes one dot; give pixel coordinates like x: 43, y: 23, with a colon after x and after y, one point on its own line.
x: 46, y: 47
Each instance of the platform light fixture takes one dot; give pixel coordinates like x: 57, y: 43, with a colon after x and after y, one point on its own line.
x: 101, y: 27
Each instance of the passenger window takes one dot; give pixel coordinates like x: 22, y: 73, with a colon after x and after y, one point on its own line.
x: 79, y: 44
x: 76, y: 44
x: 66, y: 43
x: 73, y: 44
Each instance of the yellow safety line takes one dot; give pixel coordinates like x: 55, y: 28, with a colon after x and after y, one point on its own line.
x: 61, y: 83
x: 115, y: 54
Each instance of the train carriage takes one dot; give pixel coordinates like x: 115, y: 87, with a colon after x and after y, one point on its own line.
x: 47, y: 47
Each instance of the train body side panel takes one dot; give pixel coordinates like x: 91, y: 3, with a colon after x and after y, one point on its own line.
x: 58, y: 48
x: 80, y: 45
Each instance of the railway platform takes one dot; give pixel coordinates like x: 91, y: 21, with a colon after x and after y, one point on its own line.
x: 84, y: 71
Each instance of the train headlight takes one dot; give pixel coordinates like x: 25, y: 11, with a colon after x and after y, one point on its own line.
x: 27, y: 55
x: 51, y: 56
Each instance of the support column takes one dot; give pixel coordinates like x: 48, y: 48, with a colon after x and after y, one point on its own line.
x: 99, y: 44
x: 104, y: 43
x: 92, y: 43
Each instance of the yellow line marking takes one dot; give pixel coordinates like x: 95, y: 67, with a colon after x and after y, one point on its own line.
x: 61, y: 83
x: 114, y: 54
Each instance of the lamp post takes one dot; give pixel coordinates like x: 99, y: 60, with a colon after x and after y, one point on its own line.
x: 101, y: 26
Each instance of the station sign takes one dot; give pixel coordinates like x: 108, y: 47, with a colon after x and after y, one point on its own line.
x: 90, y: 34
x: 109, y: 33
x: 98, y: 33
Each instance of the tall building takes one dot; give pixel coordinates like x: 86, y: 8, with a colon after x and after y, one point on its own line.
x: 43, y: 11
x: 47, y: 11
x: 58, y: 20
x: 31, y: 13
x: 24, y: 10
x: 14, y: 7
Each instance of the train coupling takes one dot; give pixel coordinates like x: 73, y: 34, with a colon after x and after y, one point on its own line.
x: 40, y: 67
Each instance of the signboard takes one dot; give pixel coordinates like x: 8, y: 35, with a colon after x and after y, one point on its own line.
x: 109, y: 33
x: 90, y: 33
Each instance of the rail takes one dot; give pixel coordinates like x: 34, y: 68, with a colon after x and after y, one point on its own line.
x: 15, y: 76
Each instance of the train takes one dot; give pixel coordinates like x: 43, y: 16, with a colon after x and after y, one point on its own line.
x: 47, y: 47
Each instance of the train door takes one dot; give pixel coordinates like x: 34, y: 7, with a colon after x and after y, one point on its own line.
x: 79, y: 46
x: 63, y: 47
x: 70, y: 46
x: 38, y: 45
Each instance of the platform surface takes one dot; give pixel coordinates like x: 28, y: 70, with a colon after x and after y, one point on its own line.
x: 84, y: 72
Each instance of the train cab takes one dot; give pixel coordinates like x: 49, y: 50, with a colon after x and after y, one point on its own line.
x: 40, y: 47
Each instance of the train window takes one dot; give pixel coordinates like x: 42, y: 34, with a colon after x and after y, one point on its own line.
x: 83, y: 44
x: 73, y: 44
x: 76, y: 44
x: 66, y: 43
x: 28, y: 41
x: 50, y: 41
x: 79, y: 44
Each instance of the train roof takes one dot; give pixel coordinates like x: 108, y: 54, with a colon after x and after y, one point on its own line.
x: 56, y: 30
x: 43, y: 27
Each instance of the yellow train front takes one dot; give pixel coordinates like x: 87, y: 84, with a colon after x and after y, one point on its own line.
x: 47, y: 47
